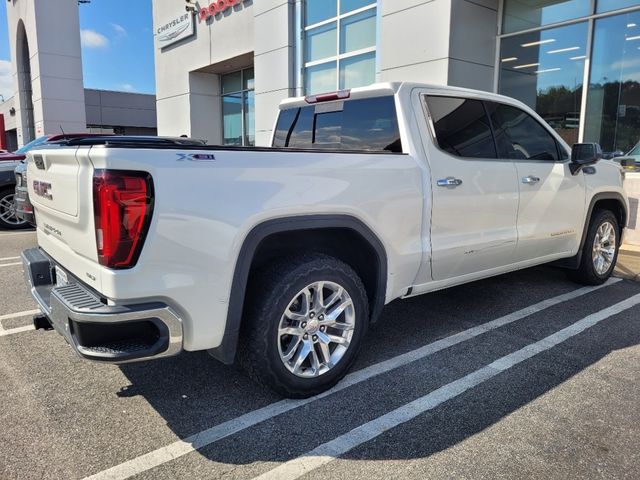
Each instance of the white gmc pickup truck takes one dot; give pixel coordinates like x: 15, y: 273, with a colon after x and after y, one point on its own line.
x: 281, y: 257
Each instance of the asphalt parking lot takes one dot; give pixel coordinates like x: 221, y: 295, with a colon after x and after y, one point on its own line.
x: 523, y: 375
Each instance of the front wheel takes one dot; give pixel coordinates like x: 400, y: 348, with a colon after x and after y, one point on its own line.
x: 600, y: 250
x: 304, y: 325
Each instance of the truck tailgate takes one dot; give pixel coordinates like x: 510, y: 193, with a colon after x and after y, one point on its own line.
x: 60, y: 189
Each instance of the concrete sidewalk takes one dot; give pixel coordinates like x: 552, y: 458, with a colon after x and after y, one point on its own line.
x: 628, y: 265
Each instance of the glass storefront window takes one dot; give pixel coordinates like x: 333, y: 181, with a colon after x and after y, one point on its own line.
x: 358, y: 31
x: 238, y: 108
x: 321, y: 78
x: 526, y: 14
x: 341, y: 52
x: 613, y: 98
x: 609, y: 5
x: 321, y: 42
x: 232, y: 118
x: 358, y: 71
x: 545, y: 70
x: 319, y: 10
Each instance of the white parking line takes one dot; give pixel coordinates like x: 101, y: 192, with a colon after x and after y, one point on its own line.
x: 3, y: 234
x: 329, y: 451
x: 207, y: 437
x: 11, y: 316
x: 10, y: 264
x: 13, y: 331
x: 9, y: 258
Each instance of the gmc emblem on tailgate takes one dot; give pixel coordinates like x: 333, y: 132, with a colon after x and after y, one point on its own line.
x: 42, y: 189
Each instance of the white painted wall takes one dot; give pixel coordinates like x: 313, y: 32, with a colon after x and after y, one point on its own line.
x: 431, y: 41
x: 448, y: 42
x: 187, y: 73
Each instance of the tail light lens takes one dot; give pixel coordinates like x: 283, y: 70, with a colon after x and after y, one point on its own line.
x: 122, y: 202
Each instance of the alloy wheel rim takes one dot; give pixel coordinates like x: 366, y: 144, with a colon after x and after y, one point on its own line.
x: 8, y: 211
x: 316, y: 329
x: 604, y: 248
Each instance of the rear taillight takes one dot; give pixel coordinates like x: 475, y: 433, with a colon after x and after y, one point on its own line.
x: 122, y: 203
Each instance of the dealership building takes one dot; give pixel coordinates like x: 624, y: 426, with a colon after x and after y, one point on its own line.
x: 48, y: 89
x: 223, y: 68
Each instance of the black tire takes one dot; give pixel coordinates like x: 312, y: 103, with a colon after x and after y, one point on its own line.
x: 270, y: 294
x: 7, y: 193
x: 586, y: 274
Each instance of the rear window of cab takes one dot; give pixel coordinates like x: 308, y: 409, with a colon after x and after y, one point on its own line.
x: 369, y: 124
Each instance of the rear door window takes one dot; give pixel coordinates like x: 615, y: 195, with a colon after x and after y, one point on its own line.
x: 369, y: 124
x: 461, y: 127
x: 519, y: 135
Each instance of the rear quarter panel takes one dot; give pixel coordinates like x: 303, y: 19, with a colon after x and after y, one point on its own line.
x: 204, y: 210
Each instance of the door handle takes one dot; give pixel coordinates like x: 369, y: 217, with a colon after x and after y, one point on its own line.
x: 530, y: 180
x: 449, y: 182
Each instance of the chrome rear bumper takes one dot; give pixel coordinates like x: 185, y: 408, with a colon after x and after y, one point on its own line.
x: 96, y: 331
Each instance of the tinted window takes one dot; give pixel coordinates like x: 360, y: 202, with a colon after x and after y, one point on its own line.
x: 462, y: 127
x: 520, y: 136
x: 369, y: 124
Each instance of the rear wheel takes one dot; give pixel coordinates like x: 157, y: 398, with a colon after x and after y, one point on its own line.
x: 8, y: 218
x: 304, y: 326
x: 600, y: 250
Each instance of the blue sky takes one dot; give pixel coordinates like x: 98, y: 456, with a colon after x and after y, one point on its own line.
x: 117, y: 46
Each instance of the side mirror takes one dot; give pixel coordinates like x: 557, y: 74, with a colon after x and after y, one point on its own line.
x: 583, y: 154
x: 628, y: 162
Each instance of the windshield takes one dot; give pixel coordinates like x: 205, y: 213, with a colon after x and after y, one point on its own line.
x: 635, y: 150
x: 32, y: 144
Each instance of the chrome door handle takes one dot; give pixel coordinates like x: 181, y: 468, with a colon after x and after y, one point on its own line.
x: 530, y: 180
x: 449, y: 182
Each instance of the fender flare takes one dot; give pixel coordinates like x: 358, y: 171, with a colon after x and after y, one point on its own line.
x: 226, y: 351
x: 574, y: 262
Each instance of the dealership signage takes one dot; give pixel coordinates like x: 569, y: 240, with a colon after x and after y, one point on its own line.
x: 215, y: 7
x: 175, y: 30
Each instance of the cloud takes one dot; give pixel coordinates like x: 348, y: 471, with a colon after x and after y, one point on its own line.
x: 121, y: 32
x: 6, y: 81
x: 127, y: 87
x: 93, y: 39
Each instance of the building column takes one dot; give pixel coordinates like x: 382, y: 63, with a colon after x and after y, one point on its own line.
x: 47, y: 64
x: 443, y: 42
x: 274, y: 62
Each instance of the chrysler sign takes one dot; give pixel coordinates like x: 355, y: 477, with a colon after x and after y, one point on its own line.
x: 175, y: 30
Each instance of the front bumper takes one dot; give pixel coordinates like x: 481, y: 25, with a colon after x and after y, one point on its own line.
x: 95, y: 330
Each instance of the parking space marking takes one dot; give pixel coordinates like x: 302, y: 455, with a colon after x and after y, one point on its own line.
x: 10, y: 264
x: 11, y: 316
x: 13, y: 331
x: 329, y: 451
x: 207, y: 437
x: 9, y: 258
x: 3, y: 234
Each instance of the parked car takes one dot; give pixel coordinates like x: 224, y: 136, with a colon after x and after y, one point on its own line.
x: 8, y: 218
x: 23, y: 209
x: 285, y: 255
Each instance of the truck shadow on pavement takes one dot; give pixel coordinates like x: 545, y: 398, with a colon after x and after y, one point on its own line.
x: 193, y: 392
